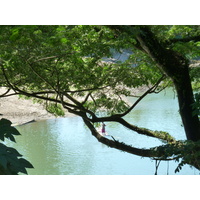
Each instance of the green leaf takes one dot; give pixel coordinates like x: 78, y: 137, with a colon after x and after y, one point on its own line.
x: 6, y: 130
x: 25, y: 163
x: 3, y: 161
x: 23, y: 170
x: 9, y: 136
x: 198, y: 44
x: 13, y: 151
x: 64, y: 40
x: 5, y: 122
x: 10, y: 162
x: 2, y: 137
x: 15, y: 34
x: 9, y: 156
x: 3, y: 149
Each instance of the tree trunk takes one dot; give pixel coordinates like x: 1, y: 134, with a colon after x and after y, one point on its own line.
x: 186, y: 99
x: 176, y: 67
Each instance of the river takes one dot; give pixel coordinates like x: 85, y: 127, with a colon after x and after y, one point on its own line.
x: 64, y: 146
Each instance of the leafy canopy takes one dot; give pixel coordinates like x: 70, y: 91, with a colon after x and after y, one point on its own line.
x: 72, y: 60
x: 90, y: 69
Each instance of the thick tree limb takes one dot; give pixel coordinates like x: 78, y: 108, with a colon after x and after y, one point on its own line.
x: 143, y: 131
x: 120, y: 145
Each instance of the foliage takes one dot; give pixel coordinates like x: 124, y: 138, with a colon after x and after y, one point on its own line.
x: 90, y: 70
x: 66, y: 58
x: 195, y: 77
x: 55, y: 109
x: 183, y: 152
x: 196, y: 104
x: 11, y: 161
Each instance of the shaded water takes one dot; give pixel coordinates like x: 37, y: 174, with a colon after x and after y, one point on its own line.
x: 66, y: 146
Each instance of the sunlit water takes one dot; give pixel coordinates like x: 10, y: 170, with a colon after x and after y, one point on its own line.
x: 66, y: 146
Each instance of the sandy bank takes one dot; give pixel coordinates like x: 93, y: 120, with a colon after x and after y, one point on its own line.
x: 20, y: 111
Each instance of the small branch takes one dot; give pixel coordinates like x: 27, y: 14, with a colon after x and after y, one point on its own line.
x: 85, y: 90
x: 113, y: 138
x: 42, y: 78
x: 5, y: 94
x: 93, y: 99
x: 6, y: 77
x: 52, y: 57
x: 150, y: 90
x: 46, y: 58
x: 86, y: 98
x: 157, y: 165
x: 35, y: 95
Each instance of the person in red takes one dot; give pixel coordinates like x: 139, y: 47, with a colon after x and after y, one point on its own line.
x: 103, y: 130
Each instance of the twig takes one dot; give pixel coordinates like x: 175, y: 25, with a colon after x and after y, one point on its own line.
x: 113, y: 138
x: 157, y: 165
x: 4, y: 94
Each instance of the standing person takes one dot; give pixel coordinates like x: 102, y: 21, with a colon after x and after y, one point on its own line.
x: 103, y: 130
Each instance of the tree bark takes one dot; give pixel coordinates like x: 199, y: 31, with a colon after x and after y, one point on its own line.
x: 151, y: 153
x: 186, y: 99
x: 176, y: 67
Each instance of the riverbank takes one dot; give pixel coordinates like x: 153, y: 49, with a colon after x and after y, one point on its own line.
x: 20, y: 111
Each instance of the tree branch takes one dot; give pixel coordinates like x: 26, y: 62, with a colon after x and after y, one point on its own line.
x: 85, y: 90
x: 150, y: 90
x: 156, y: 153
x: 120, y: 145
x: 18, y: 91
x: 143, y: 131
x: 79, y: 110
x: 46, y: 58
x: 6, y: 78
x: 5, y: 94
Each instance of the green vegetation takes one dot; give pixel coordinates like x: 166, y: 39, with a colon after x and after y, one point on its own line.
x: 11, y: 162
x: 73, y: 68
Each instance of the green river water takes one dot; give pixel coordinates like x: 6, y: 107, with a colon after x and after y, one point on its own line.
x: 64, y: 146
